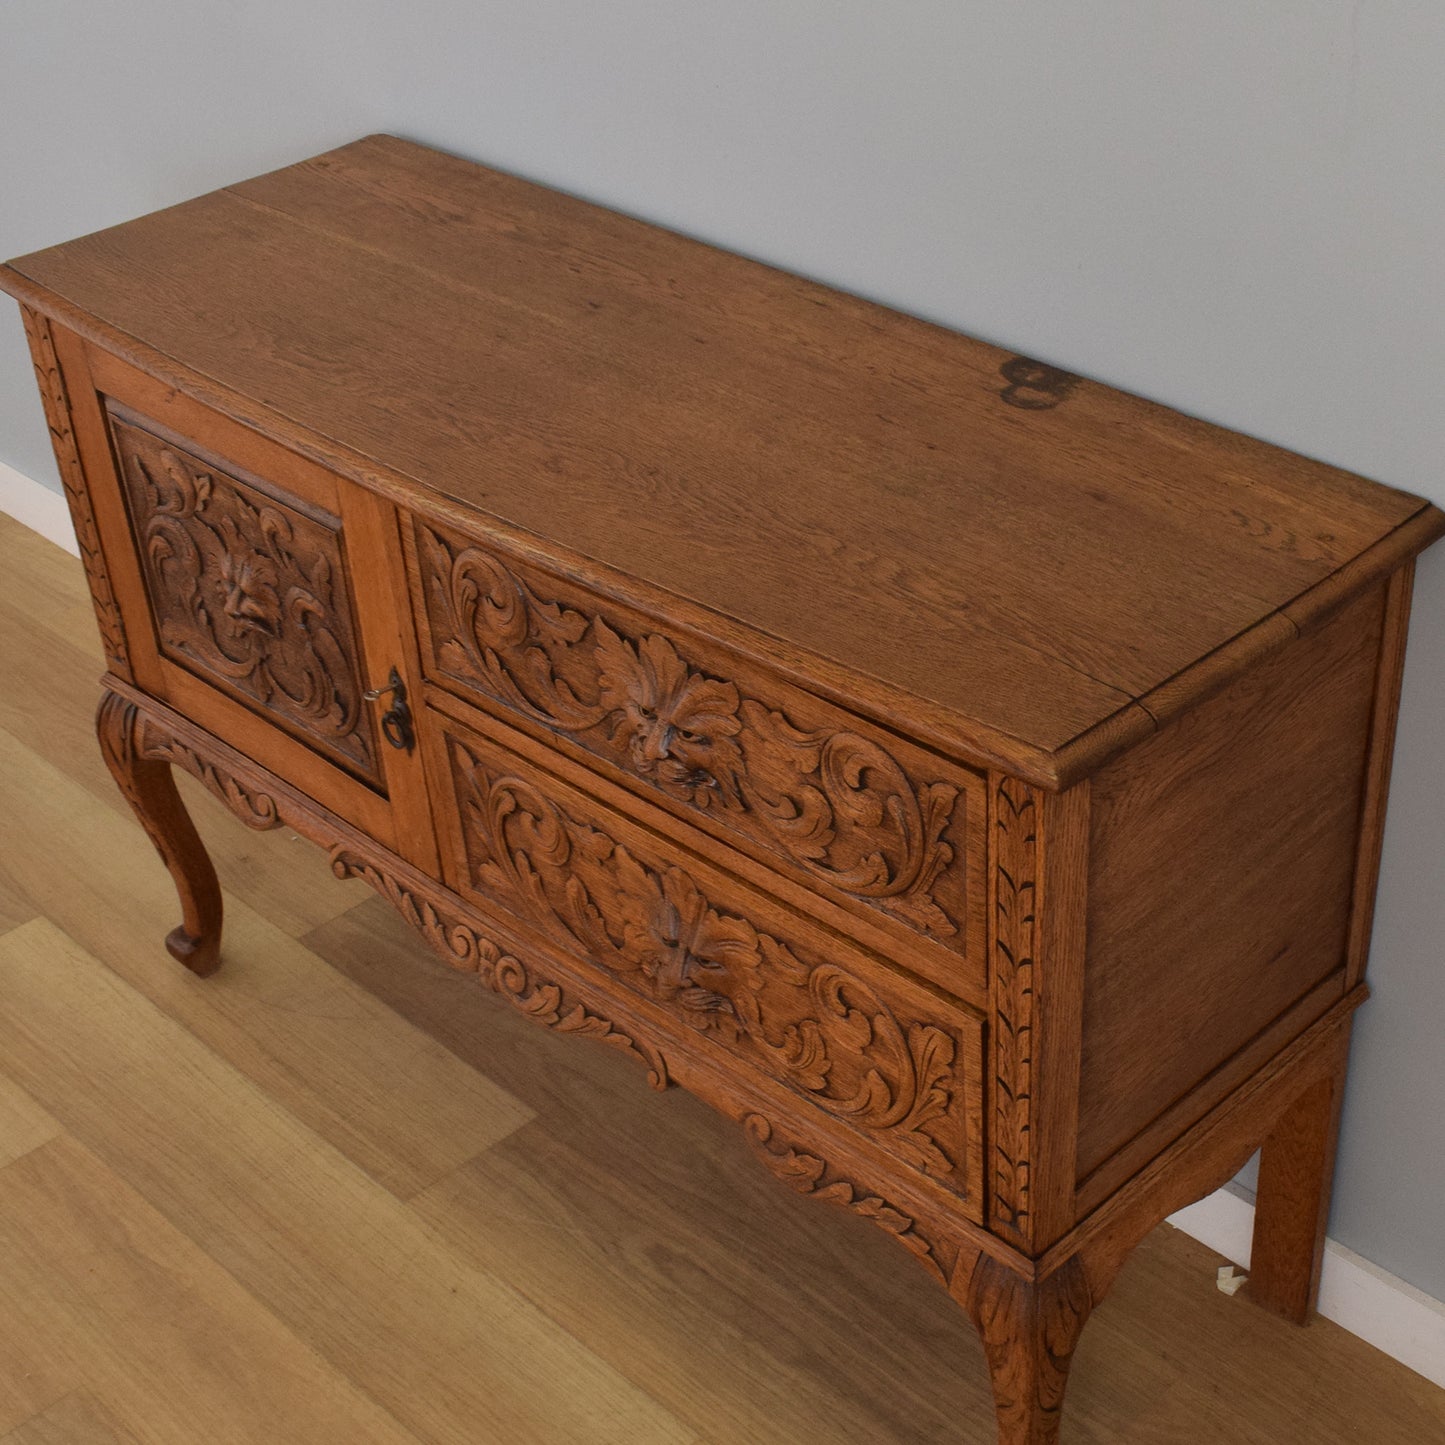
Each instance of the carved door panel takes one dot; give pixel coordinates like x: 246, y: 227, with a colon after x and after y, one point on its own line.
x: 261, y: 595
x: 249, y: 592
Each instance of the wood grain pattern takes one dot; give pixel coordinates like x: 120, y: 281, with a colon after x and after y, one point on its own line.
x: 913, y: 460
x: 78, y: 1419
x: 1254, y: 800
x: 1386, y: 712
x: 24, y: 1125
x: 1237, y: 1072
x: 134, y: 1332
x: 1206, y: 1156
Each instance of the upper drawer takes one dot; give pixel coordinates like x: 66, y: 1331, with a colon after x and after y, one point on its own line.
x: 248, y: 589
x: 862, y: 817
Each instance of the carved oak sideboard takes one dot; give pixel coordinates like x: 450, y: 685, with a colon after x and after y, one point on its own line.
x: 967, y: 777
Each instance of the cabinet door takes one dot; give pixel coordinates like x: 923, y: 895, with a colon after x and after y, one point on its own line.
x: 263, y: 596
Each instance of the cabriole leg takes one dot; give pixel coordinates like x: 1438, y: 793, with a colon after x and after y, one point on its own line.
x: 1029, y: 1332
x: 151, y: 791
x: 1296, y: 1170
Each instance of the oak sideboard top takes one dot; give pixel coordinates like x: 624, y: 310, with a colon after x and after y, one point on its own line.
x: 1010, y: 562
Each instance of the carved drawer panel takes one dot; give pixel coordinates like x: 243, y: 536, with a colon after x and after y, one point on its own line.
x: 858, y: 815
x: 248, y: 592
x: 783, y: 997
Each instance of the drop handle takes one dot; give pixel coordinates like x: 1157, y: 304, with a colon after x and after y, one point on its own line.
x: 396, y: 720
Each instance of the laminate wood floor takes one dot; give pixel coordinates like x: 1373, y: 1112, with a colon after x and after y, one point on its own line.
x: 340, y: 1194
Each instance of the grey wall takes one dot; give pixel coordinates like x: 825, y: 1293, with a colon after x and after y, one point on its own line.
x: 1235, y: 208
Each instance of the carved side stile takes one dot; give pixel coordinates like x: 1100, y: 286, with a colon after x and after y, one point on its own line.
x: 1014, y: 820
x: 72, y: 477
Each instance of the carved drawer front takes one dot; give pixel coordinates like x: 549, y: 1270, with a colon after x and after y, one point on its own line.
x: 248, y: 591
x: 859, y: 816
x: 784, y: 998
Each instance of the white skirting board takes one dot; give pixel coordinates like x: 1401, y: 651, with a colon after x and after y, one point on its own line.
x: 1361, y: 1297
x: 37, y: 506
x: 1392, y: 1315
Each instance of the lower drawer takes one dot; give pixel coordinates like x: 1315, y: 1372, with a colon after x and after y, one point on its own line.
x: 779, y: 995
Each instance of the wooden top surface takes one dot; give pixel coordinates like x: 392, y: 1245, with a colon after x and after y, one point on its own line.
x: 863, y: 492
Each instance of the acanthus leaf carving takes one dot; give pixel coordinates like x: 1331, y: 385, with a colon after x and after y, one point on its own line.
x: 1029, y: 1329
x: 810, y: 1024
x: 459, y: 943
x: 836, y: 803
x: 248, y: 592
x: 808, y: 1174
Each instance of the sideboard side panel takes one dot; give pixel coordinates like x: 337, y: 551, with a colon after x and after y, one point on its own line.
x: 1230, y: 839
